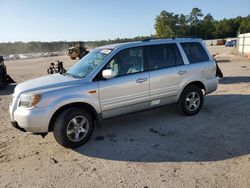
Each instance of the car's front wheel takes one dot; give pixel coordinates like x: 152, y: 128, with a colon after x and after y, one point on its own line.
x: 73, y: 127
x: 191, y: 100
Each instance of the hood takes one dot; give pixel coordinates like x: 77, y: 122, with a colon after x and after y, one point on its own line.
x: 45, y: 83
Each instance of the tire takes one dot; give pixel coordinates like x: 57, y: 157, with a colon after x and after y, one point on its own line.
x: 72, y: 123
x: 191, y: 100
x: 3, y: 82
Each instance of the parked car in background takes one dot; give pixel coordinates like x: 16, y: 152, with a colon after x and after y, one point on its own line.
x: 231, y: 43
x: 114, y: 80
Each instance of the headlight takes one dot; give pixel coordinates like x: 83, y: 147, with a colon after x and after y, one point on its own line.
x: 29, y: 100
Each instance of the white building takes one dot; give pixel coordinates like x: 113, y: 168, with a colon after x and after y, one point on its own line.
x: 244, y: 43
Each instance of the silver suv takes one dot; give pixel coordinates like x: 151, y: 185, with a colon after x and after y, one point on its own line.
x: 114, y: 80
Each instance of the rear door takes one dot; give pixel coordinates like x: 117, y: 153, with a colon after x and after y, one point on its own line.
x: 128, y: 90
x: 167, y: 73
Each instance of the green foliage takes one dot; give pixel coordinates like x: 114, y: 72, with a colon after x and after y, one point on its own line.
x: 182, y: 28
x: 245, y: 25
x: 195, y: 24
x: 208, y: 27
x: 195, y: 15
x: 165, y: 25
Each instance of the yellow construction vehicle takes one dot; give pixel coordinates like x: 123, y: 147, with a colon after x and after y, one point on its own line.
x: 78, y: 50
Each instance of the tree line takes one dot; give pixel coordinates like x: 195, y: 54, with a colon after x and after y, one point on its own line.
x: 35, y: 47
x: 167, y: 24
x: 196, y: 24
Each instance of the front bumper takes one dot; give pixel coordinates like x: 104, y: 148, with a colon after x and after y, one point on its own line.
x: 15, y: 124
x: 35, y: 120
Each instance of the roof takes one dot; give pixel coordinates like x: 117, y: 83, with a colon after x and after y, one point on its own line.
x: 149, y: 42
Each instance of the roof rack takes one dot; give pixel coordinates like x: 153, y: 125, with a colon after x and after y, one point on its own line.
x: 149, y: 39
x: 173, y: 38
x: 146, y: 40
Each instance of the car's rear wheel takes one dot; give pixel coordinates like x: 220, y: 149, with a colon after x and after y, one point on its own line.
x: 73, y: 127
x: 191, y: 100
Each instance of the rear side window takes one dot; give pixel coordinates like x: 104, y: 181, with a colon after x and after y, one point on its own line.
x: 195, y: 52
x: 163, y: 56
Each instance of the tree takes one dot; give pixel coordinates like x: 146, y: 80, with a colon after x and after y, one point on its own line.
x: 208, y: 27
x: 224, y: 29
x: 194, y: 21
x: 166, y: 24
x: 195, y: 15
x: 182, y: 25
x: 195, y: 25
x: 245, y: 25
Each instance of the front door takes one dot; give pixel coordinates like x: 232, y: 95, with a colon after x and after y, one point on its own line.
x: 128, y: 90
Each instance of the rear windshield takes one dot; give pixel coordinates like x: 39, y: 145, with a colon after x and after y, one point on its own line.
x: 195, y: 52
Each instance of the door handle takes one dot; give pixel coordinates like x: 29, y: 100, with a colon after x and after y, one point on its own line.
x: 141, y: 80
x: 182, y: 72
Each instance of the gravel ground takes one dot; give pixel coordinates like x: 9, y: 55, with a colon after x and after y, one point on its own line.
x: 156, y: 148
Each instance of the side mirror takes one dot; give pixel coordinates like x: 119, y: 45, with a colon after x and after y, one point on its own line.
x: 107, y: 73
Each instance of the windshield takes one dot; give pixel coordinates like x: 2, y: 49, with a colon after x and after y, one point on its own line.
x: 88, y: 63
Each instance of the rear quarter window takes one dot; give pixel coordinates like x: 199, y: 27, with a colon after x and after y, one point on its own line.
x: 195, y: 52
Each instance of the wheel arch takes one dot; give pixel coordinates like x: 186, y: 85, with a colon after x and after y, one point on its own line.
x: 84, y: 105
x: 197, y: 83
x: 200, y: 84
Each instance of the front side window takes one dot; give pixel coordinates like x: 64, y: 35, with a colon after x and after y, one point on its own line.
x: 163, y: 56
x: 195, y: 52
x: 88, y: 63
x: 127, y: 62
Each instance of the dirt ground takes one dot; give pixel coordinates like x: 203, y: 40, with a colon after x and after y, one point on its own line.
x: 157, y: 148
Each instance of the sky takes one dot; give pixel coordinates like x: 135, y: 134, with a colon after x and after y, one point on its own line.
x: 87, y: 20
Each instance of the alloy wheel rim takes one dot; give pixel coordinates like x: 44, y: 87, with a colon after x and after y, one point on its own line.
x: 77, y: 128
x: 192, y: 101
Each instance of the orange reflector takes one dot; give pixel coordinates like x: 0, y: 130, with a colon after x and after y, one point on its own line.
x: 92, y: 91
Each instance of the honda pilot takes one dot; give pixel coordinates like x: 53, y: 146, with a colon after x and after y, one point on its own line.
x: 114, y: 80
